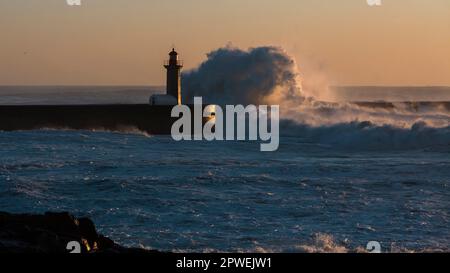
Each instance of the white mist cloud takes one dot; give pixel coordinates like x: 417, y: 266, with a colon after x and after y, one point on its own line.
x: 269, y: 75
x: 234, y: 76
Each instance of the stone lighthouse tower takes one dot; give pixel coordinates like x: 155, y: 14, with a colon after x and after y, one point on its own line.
x: 173, y: 66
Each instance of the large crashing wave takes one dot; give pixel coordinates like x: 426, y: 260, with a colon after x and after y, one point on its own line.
x: 268, y: 75
x: 235, y: 76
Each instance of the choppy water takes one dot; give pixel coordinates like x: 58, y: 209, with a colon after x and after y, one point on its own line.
x: 198, y: 196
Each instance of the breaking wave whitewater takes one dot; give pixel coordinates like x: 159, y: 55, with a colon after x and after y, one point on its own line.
x: 269, y: 75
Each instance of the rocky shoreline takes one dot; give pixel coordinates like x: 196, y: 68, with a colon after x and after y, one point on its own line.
x: 52, y: 232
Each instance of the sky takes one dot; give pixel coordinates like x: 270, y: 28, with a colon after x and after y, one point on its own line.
x: 125, y: 42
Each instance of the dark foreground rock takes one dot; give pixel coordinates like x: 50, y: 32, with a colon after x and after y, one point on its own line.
x: 51, y: 233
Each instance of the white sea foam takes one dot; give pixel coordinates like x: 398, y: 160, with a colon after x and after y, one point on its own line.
x: 269, y: 75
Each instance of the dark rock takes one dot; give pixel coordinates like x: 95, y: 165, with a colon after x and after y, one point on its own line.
x: 51, y: 232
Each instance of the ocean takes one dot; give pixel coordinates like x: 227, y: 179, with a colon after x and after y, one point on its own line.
x: 329, y: 188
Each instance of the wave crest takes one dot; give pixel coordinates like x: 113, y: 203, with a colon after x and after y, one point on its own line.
x: 269, y: 75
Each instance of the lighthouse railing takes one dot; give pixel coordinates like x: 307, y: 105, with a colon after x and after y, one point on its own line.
x: 177, y: 62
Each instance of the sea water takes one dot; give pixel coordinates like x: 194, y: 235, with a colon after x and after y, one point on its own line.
x: 319, y: 192
x: 197, y: 196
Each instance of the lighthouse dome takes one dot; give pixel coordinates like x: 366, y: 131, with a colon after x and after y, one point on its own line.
x: 173, y: 52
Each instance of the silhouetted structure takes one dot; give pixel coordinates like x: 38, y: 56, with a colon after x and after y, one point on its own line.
x: 174, y: 76
x: 153, y: 119
x: 173, y: 86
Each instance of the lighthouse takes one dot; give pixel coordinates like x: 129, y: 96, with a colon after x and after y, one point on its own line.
x: 173, y: 67
x: 173, y: 84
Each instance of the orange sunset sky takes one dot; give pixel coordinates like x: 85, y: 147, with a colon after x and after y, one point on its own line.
x: 124, y: 42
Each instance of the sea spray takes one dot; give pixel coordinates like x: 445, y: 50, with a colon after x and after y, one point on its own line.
x: 270, y: 75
